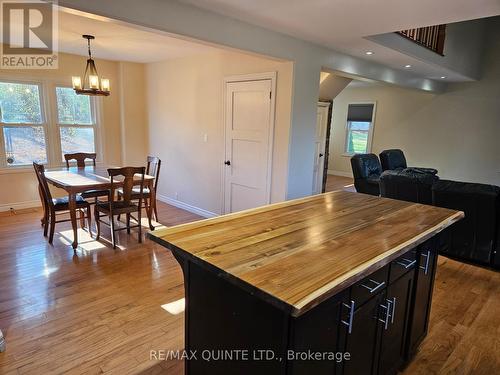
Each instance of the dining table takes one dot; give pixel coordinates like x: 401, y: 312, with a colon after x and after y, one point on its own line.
x: 76, y: 180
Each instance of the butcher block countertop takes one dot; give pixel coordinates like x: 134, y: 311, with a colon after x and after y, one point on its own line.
x: 296, y: 254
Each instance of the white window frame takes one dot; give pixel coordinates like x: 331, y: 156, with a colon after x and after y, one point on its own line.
x: 370, y: 131
x: 95, y: 125
x: 43, y: 124
x: 53, y: 149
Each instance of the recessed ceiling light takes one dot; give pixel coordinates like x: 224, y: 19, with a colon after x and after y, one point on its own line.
x: 369, y: 52
x: 407, y: 66
x: 443, y: 77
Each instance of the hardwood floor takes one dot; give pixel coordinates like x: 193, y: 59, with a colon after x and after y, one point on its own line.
x: 464, y: 330
x: 99, y: 310
x: 96, y: 311
x: 339, y: 183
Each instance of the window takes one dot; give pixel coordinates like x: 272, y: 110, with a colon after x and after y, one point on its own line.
x: 22, y: 124
x: 359, y: 128
x: 76, y: 121
x: 26, y: 133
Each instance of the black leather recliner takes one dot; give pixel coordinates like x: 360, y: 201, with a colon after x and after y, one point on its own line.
x: 395, y: 160
x: 410, y: 184
x: 476, y: 237
x: 366, y: 170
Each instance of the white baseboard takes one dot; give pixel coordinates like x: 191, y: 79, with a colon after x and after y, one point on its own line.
x: 19, y: 205
x: 186, y: 206
x: 339, y: 173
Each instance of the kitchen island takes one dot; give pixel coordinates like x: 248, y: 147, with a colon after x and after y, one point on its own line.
x: 338, y: 283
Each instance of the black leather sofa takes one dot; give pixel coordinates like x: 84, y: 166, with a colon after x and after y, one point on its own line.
x: 410, y: 184
x: 366, y: 170
x: 475, y: 238
x: 395, y: 160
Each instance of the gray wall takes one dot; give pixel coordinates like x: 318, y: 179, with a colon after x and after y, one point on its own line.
x: 463, y: 48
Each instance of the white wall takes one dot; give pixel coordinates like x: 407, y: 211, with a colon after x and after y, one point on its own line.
x: 457, y: 132
x: 185, y: 102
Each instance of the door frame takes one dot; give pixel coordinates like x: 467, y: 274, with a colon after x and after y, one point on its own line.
x: 326, y: 103
x: 272, y: 117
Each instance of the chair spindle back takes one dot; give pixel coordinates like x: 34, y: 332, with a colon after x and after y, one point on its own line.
x: 128, y: 182
x: 153, y: 169
x: 42, y: 184
x: 80, y: 158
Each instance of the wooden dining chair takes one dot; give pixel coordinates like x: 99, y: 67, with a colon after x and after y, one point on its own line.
x: 153, y: 169
x: 123, y: 205
x: 80, y: 158
x: 56, y: 206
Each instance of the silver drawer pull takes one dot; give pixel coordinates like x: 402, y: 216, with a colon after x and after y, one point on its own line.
x: 393, y: 309
x: 376, y: 287
x: 427, y: 260
x: 389, y: 309
x: 351, y: 316
x: 406, y: 263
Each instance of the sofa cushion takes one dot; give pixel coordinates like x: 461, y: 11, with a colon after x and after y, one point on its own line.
x: 409, y: 184
x: 476, y: 237
x: 393, y: 159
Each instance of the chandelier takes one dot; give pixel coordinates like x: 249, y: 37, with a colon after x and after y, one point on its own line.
x: 91, y: 83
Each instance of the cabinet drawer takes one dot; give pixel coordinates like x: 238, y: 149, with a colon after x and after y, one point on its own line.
x: 370, y: 286
x: 400, y: 266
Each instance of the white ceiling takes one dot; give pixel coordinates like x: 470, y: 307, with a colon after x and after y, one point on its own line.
x: 120, y: 42
x: 343, y: 24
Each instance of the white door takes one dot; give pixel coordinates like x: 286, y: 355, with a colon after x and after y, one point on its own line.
x: 319, y: 157
x: 249, y: 123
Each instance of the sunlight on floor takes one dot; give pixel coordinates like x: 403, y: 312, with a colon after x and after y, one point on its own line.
x: 175, y: 307
x: 47, y: 270
x: 85, y: 242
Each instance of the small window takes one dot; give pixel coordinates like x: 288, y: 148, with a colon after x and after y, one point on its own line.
x: 76, y: 121
x: 22, y: 124
x: 359, y: 128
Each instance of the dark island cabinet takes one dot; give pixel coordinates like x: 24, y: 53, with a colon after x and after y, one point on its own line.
x: 362, y: 342
x: 318, y: 331
x: 393, y: 341
x: 379, y: 321
x: 330, y: 273
x: 422, y: 294
x: 376, y: 339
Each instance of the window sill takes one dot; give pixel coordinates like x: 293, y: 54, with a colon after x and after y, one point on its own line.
x: 350, y: 155
x: 29, y: 168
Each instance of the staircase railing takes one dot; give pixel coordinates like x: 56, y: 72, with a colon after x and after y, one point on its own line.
x: 430, y: 37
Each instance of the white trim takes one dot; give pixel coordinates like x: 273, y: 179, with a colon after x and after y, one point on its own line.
x: 48, y: 105
x: 339, y: 173
x: 44, y: 124
x: 186, y: 206
x: 19, y: 205
x: 272, y: 117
